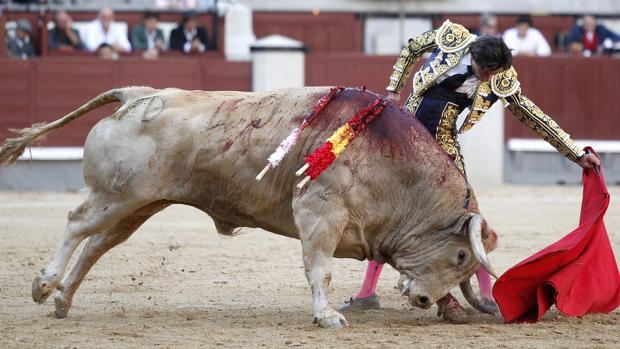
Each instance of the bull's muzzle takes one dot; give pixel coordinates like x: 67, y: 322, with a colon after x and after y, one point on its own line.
x: 421, y: 302
x: 416, y: 299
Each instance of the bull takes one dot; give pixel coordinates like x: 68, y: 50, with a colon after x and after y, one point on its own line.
x: 393, y: 196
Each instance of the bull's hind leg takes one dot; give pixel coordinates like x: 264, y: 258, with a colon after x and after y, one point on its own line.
x: 96, y: 246
x: 320, y: 231
x: 98, y: 212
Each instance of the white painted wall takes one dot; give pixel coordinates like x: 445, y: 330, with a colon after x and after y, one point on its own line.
x: 238, y: 33
x: 273, y: 68
x: 483, y: 149
x: 382, y: 35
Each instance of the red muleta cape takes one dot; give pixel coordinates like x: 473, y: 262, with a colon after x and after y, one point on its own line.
x: 578, y: 273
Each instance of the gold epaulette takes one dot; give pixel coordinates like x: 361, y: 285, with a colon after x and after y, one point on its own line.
x: 505, y: 84
x: 452, y: 37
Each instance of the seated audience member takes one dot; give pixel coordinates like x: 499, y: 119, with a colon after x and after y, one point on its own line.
x: 106, y: 52
x: 176, y: 4
x: 63, y: 36
x: 525, y: 40
x: 148, y: 37
x: 20, y: 46
x: 105, y: 30
x: 590, y: 37
x: 189, y: 37
x: 488, y: 25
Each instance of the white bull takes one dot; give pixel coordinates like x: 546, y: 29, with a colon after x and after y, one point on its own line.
x: 393, y: 196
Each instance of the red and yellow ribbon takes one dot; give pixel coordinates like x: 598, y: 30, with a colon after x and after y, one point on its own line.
x: 322, y: 157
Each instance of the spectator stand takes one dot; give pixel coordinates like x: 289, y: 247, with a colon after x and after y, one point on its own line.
x: 43, y: 21
x: 552, y: 27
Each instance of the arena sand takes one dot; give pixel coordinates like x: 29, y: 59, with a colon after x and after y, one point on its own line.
x: 177, y: 284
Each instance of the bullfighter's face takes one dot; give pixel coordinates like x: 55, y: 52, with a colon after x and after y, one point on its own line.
x: 483, y: 74
x: 443, y: 266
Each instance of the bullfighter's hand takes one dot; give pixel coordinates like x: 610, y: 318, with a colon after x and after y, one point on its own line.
x: 588, y: 161
x: 393, y: 96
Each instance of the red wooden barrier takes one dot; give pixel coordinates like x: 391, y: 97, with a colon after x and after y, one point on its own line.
x: 576, y: 92
x: 330, y: 32
x: 579, y: 93
x: 45, y: 89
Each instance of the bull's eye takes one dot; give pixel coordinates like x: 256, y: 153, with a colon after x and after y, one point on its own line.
x: 462, y: 256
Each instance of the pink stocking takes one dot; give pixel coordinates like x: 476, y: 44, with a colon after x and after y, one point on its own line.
x: 369, y: 286
x: 484, y: 281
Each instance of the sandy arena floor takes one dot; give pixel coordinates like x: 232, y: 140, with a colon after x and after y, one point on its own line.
x: 176, y: 283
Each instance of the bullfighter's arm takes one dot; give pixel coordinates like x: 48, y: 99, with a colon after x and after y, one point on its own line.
x: 531, y: 115
x: 506, y: 86
x: 415, y: 48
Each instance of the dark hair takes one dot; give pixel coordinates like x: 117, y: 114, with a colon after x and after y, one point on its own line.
x: 104, y: 45
x: 486, y: 18
x: 490, y: 52
x: 187, y: 16
x: 150, y: 14
x: 524, y: 19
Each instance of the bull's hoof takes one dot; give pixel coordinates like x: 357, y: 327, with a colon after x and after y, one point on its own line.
x: 62, y: 306
x: 41, y: 290
x: 330, y: 318
x: 456, y: 316
x: 361, y: 304
x: 453, y: 313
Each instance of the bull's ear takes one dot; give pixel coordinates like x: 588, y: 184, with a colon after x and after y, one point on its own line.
x: 465, y: 223
x: 486, y: 231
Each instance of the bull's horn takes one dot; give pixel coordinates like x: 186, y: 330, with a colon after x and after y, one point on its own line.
x: 475, y: 239
x: 405, y: 285
x: 468, y: 293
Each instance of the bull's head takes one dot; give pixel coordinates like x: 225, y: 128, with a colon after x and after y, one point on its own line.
x: 448, y: 263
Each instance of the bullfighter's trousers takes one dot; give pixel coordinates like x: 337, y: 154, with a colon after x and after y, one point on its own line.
x: 438, y: 110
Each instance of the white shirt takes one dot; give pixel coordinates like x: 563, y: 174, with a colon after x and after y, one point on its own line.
x: 533, y: 43
x: 150, y: 39
x: 94, y: 36
x: 470, y: 84
x: 189, y: 36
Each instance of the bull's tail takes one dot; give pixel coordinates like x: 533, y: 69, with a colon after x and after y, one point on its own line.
x: 13, y: 148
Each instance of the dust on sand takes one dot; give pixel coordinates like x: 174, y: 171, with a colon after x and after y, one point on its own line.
x: 176, y: 283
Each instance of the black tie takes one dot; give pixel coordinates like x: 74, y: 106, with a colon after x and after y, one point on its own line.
x: 455, y: 81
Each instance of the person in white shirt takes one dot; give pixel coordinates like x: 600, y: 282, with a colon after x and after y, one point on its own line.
x: 525, y: 40
x: 104, y: 30
x: 176, y: 4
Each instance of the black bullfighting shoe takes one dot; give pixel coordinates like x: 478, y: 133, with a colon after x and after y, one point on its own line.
x: 361, y: 304
x: 489, y: 303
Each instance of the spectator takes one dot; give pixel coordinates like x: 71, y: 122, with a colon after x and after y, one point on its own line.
x: 189, y: 37
x: 590, y: 37
x: 20, y: 46
x: 176, y: 4
x: 525, y: 40
x: 63, y: 36
x: 105, y: 30
x: 106, y: 52
x: 488, y: 24
x: 148, y: 37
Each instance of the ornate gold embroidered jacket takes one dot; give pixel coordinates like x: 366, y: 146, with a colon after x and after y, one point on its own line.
x: 449, y: 44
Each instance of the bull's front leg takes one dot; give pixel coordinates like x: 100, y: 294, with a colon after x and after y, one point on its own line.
x: 320, y: 230
x: 318, y: 264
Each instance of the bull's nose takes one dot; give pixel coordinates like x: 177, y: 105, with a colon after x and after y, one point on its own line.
x: 422, y: 302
